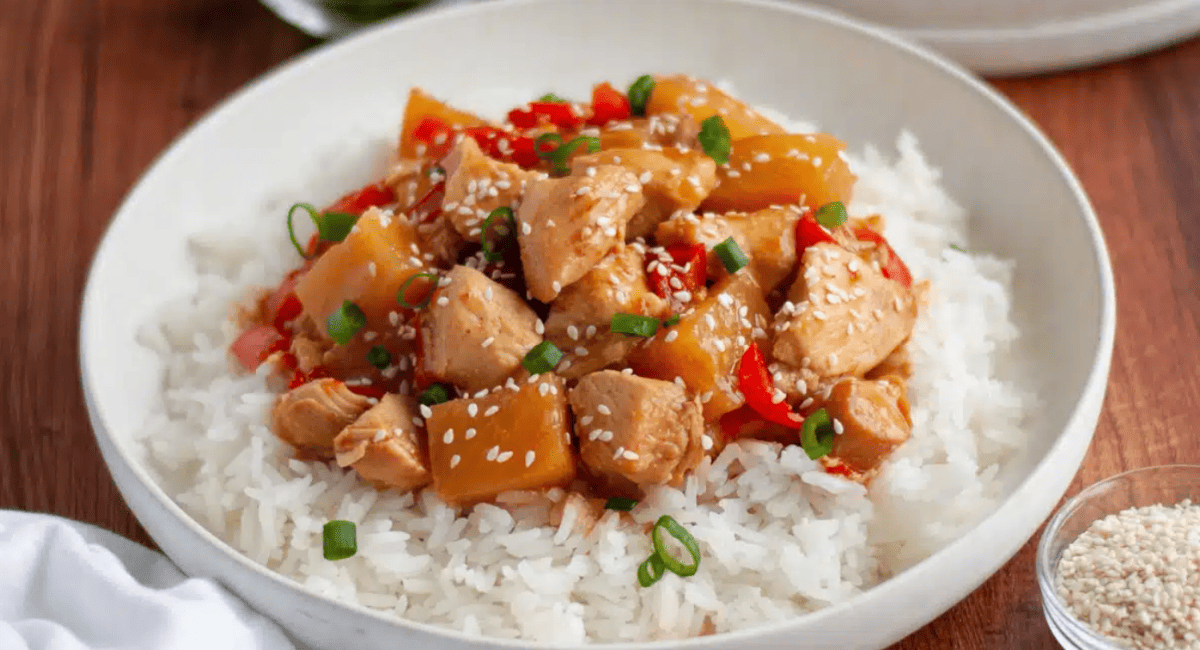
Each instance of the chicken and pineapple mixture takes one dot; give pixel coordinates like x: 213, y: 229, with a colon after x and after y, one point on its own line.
x: 593, y: 296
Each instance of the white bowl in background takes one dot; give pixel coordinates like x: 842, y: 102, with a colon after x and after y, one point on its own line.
x: 859, y: 83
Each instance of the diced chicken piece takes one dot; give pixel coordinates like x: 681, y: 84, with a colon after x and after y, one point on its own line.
x: 873, y: 417
x: 310, y: 416
x: 475, y: 331
x: 367, y: 268
x: 767, y: 237
x: 704, y: 347
x: 654, y: 133
x: 515, y: 438
x: 844, y: 318
x: 383, y: 445
x: 567, y: 225
x: 477, y: 184
x: 897, y: 364
x: 797, y: 384
x: 672, y: 181
x: 580, y: 317
x: 579, y: 512
x: 701, y: 100
x: 643, y: 430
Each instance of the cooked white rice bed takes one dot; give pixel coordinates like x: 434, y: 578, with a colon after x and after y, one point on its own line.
x: 505, y: 572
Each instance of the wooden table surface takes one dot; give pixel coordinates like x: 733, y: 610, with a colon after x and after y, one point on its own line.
x: 92, y: 90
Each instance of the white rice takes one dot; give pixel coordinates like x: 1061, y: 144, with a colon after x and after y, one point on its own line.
x: 779, y: 536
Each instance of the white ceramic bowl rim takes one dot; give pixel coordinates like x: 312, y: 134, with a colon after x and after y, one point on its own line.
x: 1093, y: 389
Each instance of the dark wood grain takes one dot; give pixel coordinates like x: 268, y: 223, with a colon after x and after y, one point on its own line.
x: 92, y: 90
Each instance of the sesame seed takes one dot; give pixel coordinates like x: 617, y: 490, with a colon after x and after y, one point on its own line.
x: 543, y: 389
x: 379, y: 436
x: 493, y: 453
x: 808, y: 401
x: 618, y: 453
x: 426, y: 412
x: 488, y: 341
x: 556, y: 286
x: 586, y: 420
x: 418, y: 421
x: 472, y: 409
x: 630, y: 455
x: 710, y: 321
x: 607, y: 436
x: 591, y: 331
x: 818, y: 314
x: 725, y: 299
x: 539, y: 327
x: 492, y: 410
x: 470, y: 433
x: 838, y: 427
x: 604, y: 410
x: 448, y: 437
x: 455, y: 460
x: 529, y: 457
x: 573, y: 332
x: 719, y: 344
x: 581, y: 351
x: 671, y: 336
x: 504, y: 457
x: 682, y: 296
x: 645, y: 177
x: 443, y: 301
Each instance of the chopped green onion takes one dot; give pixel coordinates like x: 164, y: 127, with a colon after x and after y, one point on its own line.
x: 400, y: 295
x: 379, y: 357
x: 340, y: 539
x: 503, y: 212
x: 672, y: 321
x: 651, y: 571
x: 558, y: 156
x: 832, y: 215
x: 344, y: 322
x: 731, y: 255
x: 714, y: 138
x: 639, y: 94
x: 551, y: 97
x: 620, y: 503
x: 957, y: 248
x: 633, y: 324
x: 331, y: 226
x: 667, y: 524
x: 435, y: 394
x: 542, y: 358
x: 816, y: 434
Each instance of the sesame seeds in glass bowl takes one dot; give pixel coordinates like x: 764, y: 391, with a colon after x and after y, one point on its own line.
x: 1119, y: 563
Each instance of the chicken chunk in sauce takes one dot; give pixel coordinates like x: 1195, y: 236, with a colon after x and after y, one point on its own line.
x: 384, y: 445
x: 873, y: 417
x: 310, y: 416
x: 644, y: 431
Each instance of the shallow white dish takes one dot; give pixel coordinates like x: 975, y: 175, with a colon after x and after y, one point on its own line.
x: 1020, y: 37
x: 295, y: 125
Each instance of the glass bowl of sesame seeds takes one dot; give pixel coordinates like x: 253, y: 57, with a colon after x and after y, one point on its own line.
x: 1119, y: 563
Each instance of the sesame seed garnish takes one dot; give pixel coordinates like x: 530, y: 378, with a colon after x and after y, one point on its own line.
x: 488, y: 341
x: 604, y: 410
x: 379, y: 436
x: 426, y: 412
x: 725, y: 299
x: 710, y: 321
x: 504, y: 457
x: 581, y: 351
x: 493, y: 453
x: 706, y: 441
x: 591, y: 331
x: 719, y: 344
x: 671, y: 336
x: 556, y: 286
x: 586, y: 420
x: 808, y: 401
x: 443, y: 301
x: 595, y: 433
x: 470, y: 433
x: 684, y: 296
x: 539, y: 327
x: 529, y: 457
x: 418, y: 421
x: 630, y: 455
x: 543, y: 389
x: 472, y: 409
x: 818, y: 314
x: 607, y: 436
x: 573, y: 332
x: 838, y: 427
x: 448, y: 437
x: 618, y: 453
x: 455, y: 460
x: 492, y: 410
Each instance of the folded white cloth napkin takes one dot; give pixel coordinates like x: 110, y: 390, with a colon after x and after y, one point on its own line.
x: 68, y: 586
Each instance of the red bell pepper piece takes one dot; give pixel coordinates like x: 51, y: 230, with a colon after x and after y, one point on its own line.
x: 608, y: 105
x: 523, y: 153
x: 360, y: 201
x: 839, y: 469
x: 894, y: 267
x: 288, y: 310
x: 436, y: 135
x: 559, y: 114
x: 739, y: 422
x: 810, y: 233
x: 253, y: 346
x: 692, y: 257
x: 756, y: 386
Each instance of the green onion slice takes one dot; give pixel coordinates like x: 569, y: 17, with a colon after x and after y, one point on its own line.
x: 714, y: 138
x: 633, y: 324
x: 344, y: 322
x: 672, y: 321
x: 559, y: 155
x: 551, y: 97
x: 379, y: 357
x: 331, y: 226
x: 621, y: 504
x: 666, y: 524
x: 542, y: 358
x: 816, y: 434
x: 510, y: 230
x: 639, y: 94
x: 957, y: 248
x: 651, y: 571
x: 731, y: 255
x: 832, y: 215
x: 435, y: 394
x: 400, y: 295
x: 340, y: 539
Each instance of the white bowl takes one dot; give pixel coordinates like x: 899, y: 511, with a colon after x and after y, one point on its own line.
x: 861, y: 84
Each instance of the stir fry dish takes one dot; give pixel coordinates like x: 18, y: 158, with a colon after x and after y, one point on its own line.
x: 589, y: 295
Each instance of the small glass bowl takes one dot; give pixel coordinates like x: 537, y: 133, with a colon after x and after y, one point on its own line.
x: 1164, y: 484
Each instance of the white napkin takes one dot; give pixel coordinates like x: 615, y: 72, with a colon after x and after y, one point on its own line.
x: 67, y: 586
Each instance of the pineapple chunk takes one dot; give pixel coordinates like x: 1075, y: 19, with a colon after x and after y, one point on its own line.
x: 515, y: 438
x: 781, y: 170
x: 422, y: 105
x: 701, y: 100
